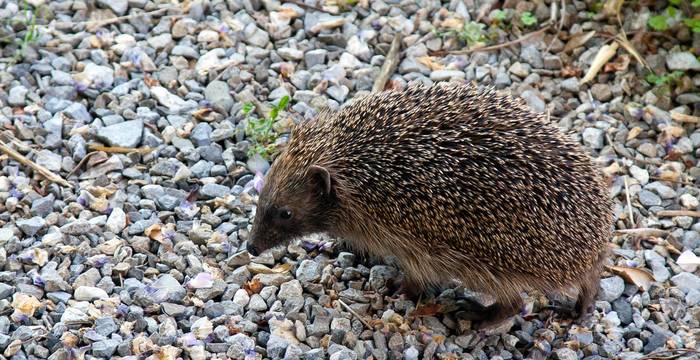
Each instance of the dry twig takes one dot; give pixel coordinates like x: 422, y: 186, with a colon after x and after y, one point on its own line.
x: 501, y: 46
x: 81, y: 163
x: 311, y: 7
x: 354, y: 313
x: 672, y: 213
x: 46, y: 173
x: 99, y: 23
x: 562, y: 15
x: 629, y: 202
x: 683, y: 118
x: 119, y: 149
x: 656, y: 355
x: 641, y: 232
x: 390, y: 63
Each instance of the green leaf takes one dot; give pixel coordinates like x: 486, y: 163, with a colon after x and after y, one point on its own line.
x: 528, y: 19
x: 283, y: 102
x: 247, y: 107
x: 695, y: 3
x: 499, y: 14
x: 693, y: 24
x: 671, y: 11
x: 658, y: 22
x: 674, y: 2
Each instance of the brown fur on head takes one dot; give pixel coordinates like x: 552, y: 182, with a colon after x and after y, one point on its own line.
x: 295, y: 201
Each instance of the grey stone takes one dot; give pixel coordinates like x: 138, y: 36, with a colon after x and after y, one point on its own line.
x: 648, y: 198
x: 17, y: 96
x: 594, y: 137
x: 682, y: 61
x: 43, y: 206
x: 315, y: 57
x: 444, y: 75
x: 531, y: 55
x: 309, y: 271
x: 217, y: 92
x: 611, y: 288
x: 214, y: 190
x: 31, y: 226
x: 126, y: 134
x: 105, y: 348
x: 686, y: 282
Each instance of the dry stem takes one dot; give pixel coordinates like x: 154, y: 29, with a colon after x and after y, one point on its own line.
x: 504, y: 45
x: 119, y: 149
x: 354, y: 313
x: 46, y: 173
x: 390, y: 63
x: 672, y: 213
x: 629, y: 202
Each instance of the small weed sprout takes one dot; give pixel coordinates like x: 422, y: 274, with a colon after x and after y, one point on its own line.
x: 260, y: 132
x: 31, y: 34
x: 528, y: 19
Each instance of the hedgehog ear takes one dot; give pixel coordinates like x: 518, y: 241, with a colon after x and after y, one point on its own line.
x: 323, y: 175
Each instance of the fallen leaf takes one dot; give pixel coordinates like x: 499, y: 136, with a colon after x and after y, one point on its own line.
x: 429, y: 62
x: 669, y: 172
x: 427, y: 310
x: 256, y: 268
x: 253, y: 287
x: 639, y: 277
x: 605, y: 53
x: 154, y: 232
x: 571, y: 71
x: 452, y: 23
x: 578, y: 41
x: 688, y: 261
x: 620, y: 64
x: 627, y: 45
x: 634, y: 132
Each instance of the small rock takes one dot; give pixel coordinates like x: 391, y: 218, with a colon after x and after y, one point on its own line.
x: 31, y: 226
x: 682, y: 61
x: 89, y: 293
x: 125, y: 134
x: 611, y: 288
x: 594, y: 137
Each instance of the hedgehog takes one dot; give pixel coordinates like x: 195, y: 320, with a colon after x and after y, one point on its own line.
x: 453, y: 181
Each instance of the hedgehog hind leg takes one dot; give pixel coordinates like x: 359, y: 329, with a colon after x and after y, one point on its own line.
x: 588, y: 289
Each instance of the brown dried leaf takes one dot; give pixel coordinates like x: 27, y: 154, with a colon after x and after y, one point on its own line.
x: 253, y: 287
x: 203, y: 114
x: 452, y: 23
x: 639, y: 277
x: 154, y: 232
x: 634, y: 132
x: 605, y: 53
x: 578, y: 41
x: 571, y: 71
x: 670, y: 132
x: 620, y: 64
x: 627, y: 45
x: 429, y: 62
x: 150, y: 81
x: 427, y: 310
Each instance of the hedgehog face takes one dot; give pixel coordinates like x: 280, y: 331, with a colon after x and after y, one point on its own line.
x: 290, y: 205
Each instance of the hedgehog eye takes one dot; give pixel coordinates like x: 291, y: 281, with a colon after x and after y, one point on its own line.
x: 285, y: 214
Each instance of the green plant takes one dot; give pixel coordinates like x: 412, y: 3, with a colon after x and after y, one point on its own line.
x: 499, y: 15
x: 659, y: 80
x: 260, y: 131
x: 660, y: 21
x: 31, y: 34
x: 528, y: 19
x: 471, y: 33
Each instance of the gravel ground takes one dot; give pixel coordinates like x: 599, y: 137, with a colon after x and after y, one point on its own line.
x: 139, y: 255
